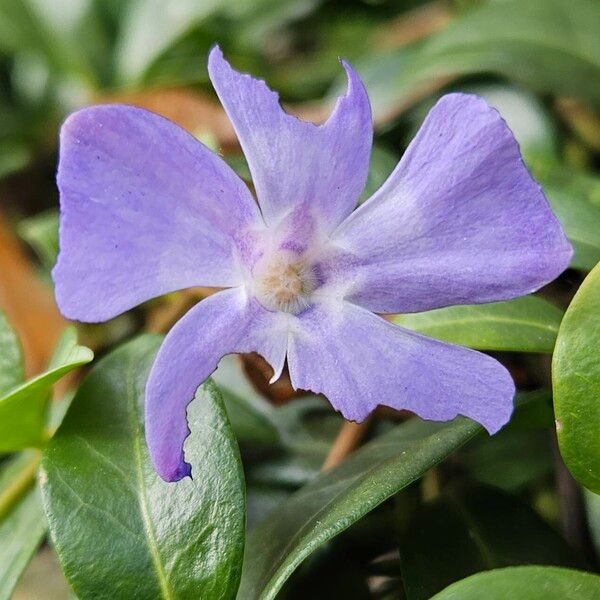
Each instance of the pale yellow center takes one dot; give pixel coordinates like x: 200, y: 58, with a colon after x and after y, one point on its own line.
x: 284, y: 281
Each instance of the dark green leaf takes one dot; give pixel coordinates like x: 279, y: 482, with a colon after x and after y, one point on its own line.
x: 476, y: 529
x: 11, y: 358
x: 511, y: 459
x: 23, y: 409
x: 527, y: 583
x: 527, y: 324
x: 148, y: 539
x: 22, y: 520
x: 576, y: 383
x: 336, y: 499
x: 520, y: 453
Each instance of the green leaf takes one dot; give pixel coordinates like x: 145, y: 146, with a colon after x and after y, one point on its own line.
x: 62, y: 34
x: 41, y: 233
x: 144, y: 37
x: 22, y: 524
x: 511, y: 459
x: 340, y: 497
x: 592, y: 506
x: 476, y: 529
x: 530, y: 583
x: 383, y: 162
x: 528, y: 324
x: 23, y: 409
x: 103, y: 498
x: 250, y: 415
x: 11, y: 357
x: 581, y: 222
x: 548, y: 46
x: 576, y: 384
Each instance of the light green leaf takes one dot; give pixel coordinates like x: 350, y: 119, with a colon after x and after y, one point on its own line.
x: 148, y: 539
x: 576, y: 384
x: 250, y: 414
x: 475, y: 529
x: 581, y: 222
x: 41, y: 233
x: 383, y: 162
x: 23, y: 409
x: 63, y: 33
x: 530, y: 583
x: 22, y: 520
x: 592, y: 506
x: 338, y: 498
x: 150, y: 27
x: 548, y: 46
x: 11, y: 357
x: 528, y: 324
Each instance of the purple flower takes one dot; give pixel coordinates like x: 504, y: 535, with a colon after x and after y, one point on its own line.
x: 147, y: 209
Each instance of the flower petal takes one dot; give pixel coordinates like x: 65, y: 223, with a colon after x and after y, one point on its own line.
x: 224, y: 323
x: 460, y: 220
x: 294, y: 162
x: 145, y: 209
x: 359, y: 360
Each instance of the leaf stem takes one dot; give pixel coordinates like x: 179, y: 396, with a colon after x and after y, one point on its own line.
x: 348, y: 438
x: 19, y: 485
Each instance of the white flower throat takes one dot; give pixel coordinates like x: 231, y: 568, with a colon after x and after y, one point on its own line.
x: 284, y: 281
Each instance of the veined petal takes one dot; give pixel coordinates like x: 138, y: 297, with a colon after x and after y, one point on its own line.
x: 359, y: 360
x: 145, y: 209
x: 295, y: 163
x: 224, y: 323
x: 459, y: 221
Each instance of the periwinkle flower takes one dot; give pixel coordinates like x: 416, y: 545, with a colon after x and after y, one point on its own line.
x: 146, y: 209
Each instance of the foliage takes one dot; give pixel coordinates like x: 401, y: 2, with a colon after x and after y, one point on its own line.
x: 409, y: 509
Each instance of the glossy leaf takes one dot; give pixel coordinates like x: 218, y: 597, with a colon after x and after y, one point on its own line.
x: 103, y: 498
x: 338, y: 498
x: 532, y: 583
x: 476, y: 529
x: 22, y: 521
x: 528, y: 324
x: 576, y: 384
x: 548, y: 46
x: 11, y: 357
x: 23, y: 409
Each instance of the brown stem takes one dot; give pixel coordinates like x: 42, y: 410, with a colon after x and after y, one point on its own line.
x: 347, y: 440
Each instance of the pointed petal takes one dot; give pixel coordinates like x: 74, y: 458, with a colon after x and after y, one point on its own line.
x: 460, y: 220
x: 359, y: 360
x: 224, y: 323
x: 292, y: 162
x: 145, y: 209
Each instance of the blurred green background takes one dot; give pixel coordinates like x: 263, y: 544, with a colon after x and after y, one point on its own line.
x: 537, y: 61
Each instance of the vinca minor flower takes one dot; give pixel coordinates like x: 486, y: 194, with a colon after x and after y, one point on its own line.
x: 146, y: 209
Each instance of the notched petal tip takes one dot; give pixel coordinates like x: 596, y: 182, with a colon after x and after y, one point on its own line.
x: 177, y: 473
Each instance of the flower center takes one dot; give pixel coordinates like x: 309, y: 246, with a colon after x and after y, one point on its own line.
x: 284, y: 281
